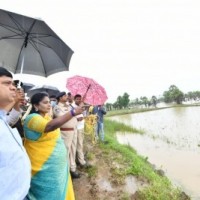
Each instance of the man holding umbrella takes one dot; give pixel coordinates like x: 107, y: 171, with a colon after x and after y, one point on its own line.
x: 80, y: 132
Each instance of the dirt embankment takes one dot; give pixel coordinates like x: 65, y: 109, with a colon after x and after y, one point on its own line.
x: 103, y: 180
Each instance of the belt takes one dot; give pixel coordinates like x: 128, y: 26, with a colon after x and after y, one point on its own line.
x: 66, y: 129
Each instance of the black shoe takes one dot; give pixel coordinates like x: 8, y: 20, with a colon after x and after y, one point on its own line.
x: 105, y: 142
x: 75, y: 175
x: 85, y: 166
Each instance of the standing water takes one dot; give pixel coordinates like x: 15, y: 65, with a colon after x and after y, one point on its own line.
x: 171, y: 142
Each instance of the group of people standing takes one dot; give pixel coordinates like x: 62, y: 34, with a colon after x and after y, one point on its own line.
x: 72, y: 132
x: 41, y: 167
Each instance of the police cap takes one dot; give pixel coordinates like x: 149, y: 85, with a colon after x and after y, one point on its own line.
x: 60, y: 94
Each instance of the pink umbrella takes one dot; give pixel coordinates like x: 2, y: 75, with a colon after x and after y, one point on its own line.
x: 92, y: 92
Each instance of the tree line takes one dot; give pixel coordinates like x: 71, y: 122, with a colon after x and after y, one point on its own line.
x: 173, y: 94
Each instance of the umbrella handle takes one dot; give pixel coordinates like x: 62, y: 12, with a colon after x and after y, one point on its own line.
x: 86, y: 92
x: 88, y: 89
x: 22, y: 64
x: 19, y: 85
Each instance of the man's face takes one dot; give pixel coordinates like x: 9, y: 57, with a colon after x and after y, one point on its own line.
x: 53, y: 99
x: 7, y: 91
x: 77, y: 100
x: 70, y: 98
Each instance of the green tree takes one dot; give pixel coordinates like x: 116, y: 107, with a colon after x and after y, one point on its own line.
x: 125, y: 100
x: 173, y: 94
x: 115, y: 105
x: 154, y: 100
x: 109, y: 106
x: 122, y: 101
x: 144, y: 101
x: 137, y: 101
x: 193, y: 95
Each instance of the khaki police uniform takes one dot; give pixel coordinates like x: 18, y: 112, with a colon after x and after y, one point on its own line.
x: 68, y: 133
x: 80, y: 137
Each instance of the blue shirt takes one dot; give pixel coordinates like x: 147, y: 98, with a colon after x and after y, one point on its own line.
x: 15, y: 168
x: 100, y: 111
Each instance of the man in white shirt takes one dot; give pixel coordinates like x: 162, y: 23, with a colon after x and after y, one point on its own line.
x: 15, y: 169
x: 80, y: 133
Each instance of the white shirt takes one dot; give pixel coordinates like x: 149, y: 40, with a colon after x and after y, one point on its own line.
x: 80, y: 124
x: 15, y: 167
x: 13, y: 117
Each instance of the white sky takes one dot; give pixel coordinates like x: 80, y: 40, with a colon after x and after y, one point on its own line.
x: 136, y: 46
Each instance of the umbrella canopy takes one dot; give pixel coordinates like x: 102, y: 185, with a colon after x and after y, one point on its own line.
x: 91, y: 91
x: 29, y: 45
x: 51, y: 90
x: 27, y: 86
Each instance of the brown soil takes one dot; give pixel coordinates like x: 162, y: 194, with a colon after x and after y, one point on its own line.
x: 103, y: 180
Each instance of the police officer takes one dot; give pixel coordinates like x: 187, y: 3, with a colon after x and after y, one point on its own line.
x: 68, y: 131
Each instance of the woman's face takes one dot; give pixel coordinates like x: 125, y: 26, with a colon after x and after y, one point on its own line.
x: 44, y: 105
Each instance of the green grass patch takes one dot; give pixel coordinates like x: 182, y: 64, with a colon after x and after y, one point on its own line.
x: 91, y: 171
x: 125, y: 196
x: 90, y: 156
x: 113, y: 126
x: 130, y: 111
x: 138, y: 110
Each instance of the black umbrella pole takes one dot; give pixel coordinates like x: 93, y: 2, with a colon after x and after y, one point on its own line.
x: 86, y: 91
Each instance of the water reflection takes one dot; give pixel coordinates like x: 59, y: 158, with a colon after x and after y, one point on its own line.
x: 171, y: 143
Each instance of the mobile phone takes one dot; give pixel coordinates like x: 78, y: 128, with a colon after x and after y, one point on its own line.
x: 85, y: 106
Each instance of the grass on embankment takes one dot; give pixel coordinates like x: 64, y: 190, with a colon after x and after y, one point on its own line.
x: 158, y: 187
x: 137, y: 110
x: 130, y: 111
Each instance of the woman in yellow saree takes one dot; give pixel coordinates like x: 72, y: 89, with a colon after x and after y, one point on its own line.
x: 50, y: 173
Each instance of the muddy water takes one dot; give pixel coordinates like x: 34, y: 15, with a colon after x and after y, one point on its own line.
x: 171, y: 142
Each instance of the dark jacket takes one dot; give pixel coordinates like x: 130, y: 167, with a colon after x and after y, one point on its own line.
x: 100, y: 111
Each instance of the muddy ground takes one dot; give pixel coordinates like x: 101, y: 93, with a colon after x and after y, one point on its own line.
x: 99, y: 182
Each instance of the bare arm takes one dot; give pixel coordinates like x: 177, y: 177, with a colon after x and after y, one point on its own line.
x: 19, y: 99
x: 13, y: 117
x: 59, y: 121
x: 14, y: 108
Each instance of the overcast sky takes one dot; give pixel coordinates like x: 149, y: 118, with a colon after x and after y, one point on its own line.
x: 136, y: 46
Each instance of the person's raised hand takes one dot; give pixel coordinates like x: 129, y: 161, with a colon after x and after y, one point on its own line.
x: 78, y: 110
x: 20, y: 96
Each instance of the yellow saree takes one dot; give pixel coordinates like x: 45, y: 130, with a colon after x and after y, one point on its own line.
x: 48, y: 156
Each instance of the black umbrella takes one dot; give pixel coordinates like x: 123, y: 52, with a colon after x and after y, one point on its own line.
x: 29, y: 45
x: 51, y: 90
x: 27, y: 86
